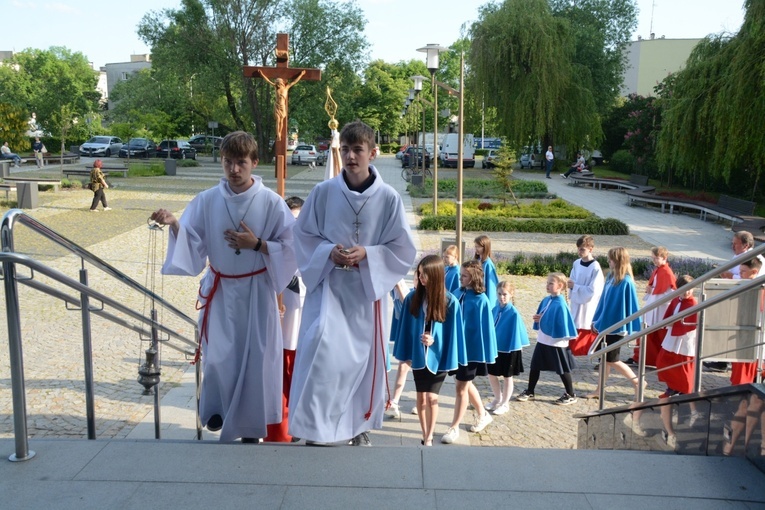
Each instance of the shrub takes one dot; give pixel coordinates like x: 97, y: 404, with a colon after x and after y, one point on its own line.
x: 522, y: 264
x: 71, y: 184
x: 186, y: 163
x: 481, y: 188
x: 622, y: 161
x: 592, y: 226
x: 556, y: 209
x: 152, y: 169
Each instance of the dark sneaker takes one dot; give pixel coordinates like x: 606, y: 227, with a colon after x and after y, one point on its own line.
x: 566, y: 399
x: 361, y: 440
x: 215, y: 423
x: 716, y: 366
x: 631, y: 362
x: 523, y: 397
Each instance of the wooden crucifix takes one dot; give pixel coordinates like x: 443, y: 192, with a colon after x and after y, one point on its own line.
x: 282, y: 78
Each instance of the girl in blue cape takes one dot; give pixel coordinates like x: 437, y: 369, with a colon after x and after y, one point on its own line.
x: 490, y: 278
x: 431, y: 336
x: 481, y: 342
x: 511, y: 338
x: 618, y: 301
x: 555, y: 327
x: 451, y: 269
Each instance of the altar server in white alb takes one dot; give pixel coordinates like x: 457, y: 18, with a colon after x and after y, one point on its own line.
x: 244, y: 231
x: 353, y: 245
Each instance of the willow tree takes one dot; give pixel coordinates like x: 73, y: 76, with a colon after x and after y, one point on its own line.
x: 713, y: 109
x: 522, y: 64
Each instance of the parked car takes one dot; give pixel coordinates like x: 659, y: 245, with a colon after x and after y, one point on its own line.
x: 292, y: 144
x: 307, y: 154
x: 529, y: 160
x: 490, y: 159
x: 178, y: 149
x: 101, y: 146
x: 139, y: 148
x: 205, y: 143
x: 414, y: 152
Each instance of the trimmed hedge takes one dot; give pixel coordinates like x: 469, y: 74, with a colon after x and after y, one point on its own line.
x: 481, y: 188
x: 591, y: 226
x: 556, y: 209
x: 541, y: 265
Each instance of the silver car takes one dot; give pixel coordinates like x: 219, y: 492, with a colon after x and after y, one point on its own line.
x: 307, y: 154
x: 101, y: 146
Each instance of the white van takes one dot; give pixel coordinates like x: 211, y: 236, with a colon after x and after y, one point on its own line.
x: 449, y: 151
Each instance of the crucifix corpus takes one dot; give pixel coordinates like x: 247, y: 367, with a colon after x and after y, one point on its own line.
x: 282, y: 78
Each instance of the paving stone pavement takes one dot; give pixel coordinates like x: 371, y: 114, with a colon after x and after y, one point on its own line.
x: 52, y: 335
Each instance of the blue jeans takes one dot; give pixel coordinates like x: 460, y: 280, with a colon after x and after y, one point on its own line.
x: 15, y: 157
x: 548, y: 167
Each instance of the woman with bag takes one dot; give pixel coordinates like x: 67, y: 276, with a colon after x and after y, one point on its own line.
x: 39, y: 149
x: 97, y: 185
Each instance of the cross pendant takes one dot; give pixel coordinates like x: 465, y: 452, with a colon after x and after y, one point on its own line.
x: 356, y: 224
x: 238, y: 251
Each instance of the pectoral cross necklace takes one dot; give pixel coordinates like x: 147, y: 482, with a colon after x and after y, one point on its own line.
x: 356, y: 223
x: 238, y: 225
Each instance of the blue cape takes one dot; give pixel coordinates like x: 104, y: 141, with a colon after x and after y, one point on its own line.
x: 556, y: 322
x: 510, y: 329
x: 452, y: 278
x: 617, y: 303
x: 480, y: 337
x: 448, y: 349
x: 491, y: 280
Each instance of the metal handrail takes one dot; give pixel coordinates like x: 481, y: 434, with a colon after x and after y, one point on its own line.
x: 10, y: 260
x: 595, y: 351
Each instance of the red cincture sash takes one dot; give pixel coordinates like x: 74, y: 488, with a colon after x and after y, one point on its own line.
x: 208, y: 299
x: 379, y: 341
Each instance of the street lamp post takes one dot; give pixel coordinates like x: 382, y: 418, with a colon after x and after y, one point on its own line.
x: 418, y: 79
x: 459, y: 154
x: 431, y: 51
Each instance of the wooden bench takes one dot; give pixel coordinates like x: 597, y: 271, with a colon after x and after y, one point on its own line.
x: 56, y: 183
x: 7, y: 187
x: 49, y: 159
x: 107, y: 170
x: 635, y: 182
x: 737, y: 211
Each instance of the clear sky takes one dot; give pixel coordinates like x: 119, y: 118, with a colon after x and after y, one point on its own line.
x: 105, y: 31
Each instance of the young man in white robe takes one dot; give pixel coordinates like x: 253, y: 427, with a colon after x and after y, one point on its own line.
x: 353, y: 245
x: 244, y: 231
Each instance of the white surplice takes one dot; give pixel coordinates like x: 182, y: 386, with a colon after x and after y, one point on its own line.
x: 242, y: 351
x: 339, y: 373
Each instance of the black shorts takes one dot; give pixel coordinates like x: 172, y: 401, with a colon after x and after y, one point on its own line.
x: 473, y: 369
x: 507, y: 364
x: 427, y: 382
x: 615, y: 355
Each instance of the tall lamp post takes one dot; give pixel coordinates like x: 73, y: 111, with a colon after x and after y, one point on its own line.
x: 460, y: 143
x: 431, y: 51
x: 418, y: 79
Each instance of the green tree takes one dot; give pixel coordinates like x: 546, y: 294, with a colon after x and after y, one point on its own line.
x: 56, y: 84
x: 212, y: 40
x: 710, y: 136
x: 601, y: 30
x: 549, y: 68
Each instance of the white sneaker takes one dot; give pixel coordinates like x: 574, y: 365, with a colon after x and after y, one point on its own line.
x: 93, y: 210
x: 393, y: 411
x: 414, y: 411
x: 491, y: 405
x: 482, y: 423
x: 451, y: 436
x: 672, y: 441
x: 107, y: 208
x: 695, y: 417
x: 500, y: 410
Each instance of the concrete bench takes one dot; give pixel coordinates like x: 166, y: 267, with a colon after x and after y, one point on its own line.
x: 7, y: 187
x: 56, y: 183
